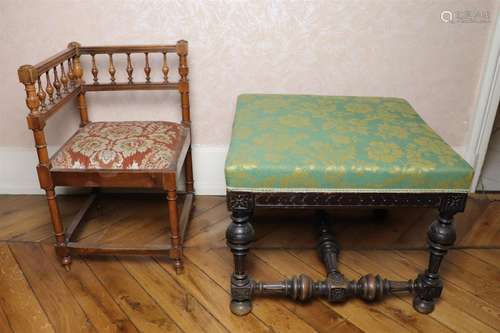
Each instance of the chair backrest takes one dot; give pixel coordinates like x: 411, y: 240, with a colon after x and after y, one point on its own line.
x: 52, y: 83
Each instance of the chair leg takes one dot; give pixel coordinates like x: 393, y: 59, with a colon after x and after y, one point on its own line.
x: 176, y: 249
x: 188, y: 171
x: 55, y: 215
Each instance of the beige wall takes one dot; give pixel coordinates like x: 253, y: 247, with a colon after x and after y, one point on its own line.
x: 342, y: 47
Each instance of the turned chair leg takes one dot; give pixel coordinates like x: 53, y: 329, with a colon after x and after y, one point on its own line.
x: 239, y: 235
x: 55, y: 216
x: 188, y: 171
x: 441, y: 236
x: 176, y: 248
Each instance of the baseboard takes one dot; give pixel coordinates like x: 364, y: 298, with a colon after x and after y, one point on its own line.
x: 208, y: 169
x: 18, y: 175
x: 17, y: 171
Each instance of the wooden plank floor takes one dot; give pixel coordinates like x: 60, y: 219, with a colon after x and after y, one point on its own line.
x: 143, y: 294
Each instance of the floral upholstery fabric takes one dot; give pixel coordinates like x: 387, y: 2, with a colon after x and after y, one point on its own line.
x: 121, y: 145
x: 297, y: 143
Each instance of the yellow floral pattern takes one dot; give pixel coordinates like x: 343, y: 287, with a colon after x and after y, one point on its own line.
x: 335, y: 143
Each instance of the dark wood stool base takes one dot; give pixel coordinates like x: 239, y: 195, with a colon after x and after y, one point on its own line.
x: 335, y: 288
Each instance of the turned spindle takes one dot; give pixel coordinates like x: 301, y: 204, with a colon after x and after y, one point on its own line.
x: 111, y: 68
x: 64, y: 79
x: 49, y: 88
x: 77, y: 70
x: 57, y: 83
x: 71, y: 75
x: 302, y: 288
x: 327, y: 247
x: 165, y: 68
x: 130, y: 69
x: 41, y: 95
x: 94, y: 70
x: 182, y: 51
x: 147, y: 69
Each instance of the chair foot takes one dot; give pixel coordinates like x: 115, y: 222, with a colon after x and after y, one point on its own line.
x: 179, y: 266
x: 423, y: 306
x: 66, y: 262
x: 240, y: 308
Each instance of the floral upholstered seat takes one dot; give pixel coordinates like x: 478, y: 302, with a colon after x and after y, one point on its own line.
x: 148, y: 145
x: 299, y: 143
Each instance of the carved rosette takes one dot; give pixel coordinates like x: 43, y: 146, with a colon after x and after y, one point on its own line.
x: 453, y: 203
x: 240, y: 201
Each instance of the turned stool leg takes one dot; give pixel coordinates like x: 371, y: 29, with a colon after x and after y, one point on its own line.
x: 239, y: 235
x: 441, y: 236
x: 55, y: 216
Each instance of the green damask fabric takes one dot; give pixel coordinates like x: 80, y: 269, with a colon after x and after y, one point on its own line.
x: 297, y: 143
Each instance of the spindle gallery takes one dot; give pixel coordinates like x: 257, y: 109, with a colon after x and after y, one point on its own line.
x: 137, y: 154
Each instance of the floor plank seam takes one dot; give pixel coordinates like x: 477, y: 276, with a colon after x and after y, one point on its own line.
x: 321, y: 300
x: 84, y: 262
x: 32, y: 290
x: 151, y: 296
x: 7, y: 318
x: 368, y: 305
x: 180, y: 286
x: 462, y: 290
x: 403, y: 298
x: 69, y: 290
x: 220, y: 286
x: 117, y: 303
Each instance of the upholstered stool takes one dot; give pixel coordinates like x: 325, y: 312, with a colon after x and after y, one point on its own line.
x: 298, y: 151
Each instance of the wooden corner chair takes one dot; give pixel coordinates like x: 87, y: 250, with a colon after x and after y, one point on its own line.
x: 110, y: 154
